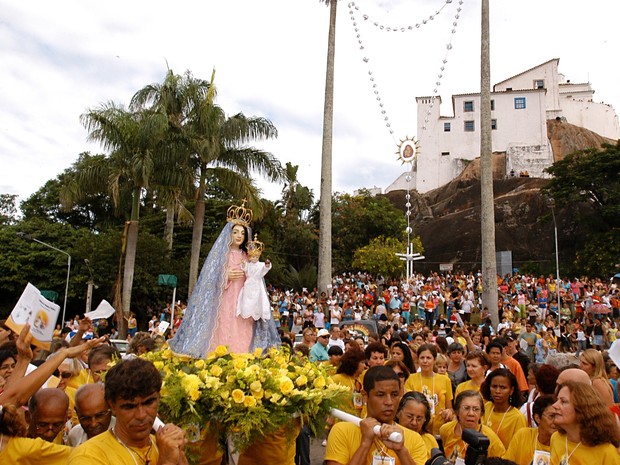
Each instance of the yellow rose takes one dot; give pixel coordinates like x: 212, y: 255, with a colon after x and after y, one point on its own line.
x: 159, y: 365
x: 239, y: 364
x: 258, y: 394
x: 166, y: 353
x: 258, y: 352
x: 216, y: 370
x: 249, y: 401
x: 319, y: 383
x: 256, y: 386
x: 224, y: 395
x: 238, y: 396
x: 286, y: 386
x: 191, y: 385
x: 200, y: 364
x: 220, y: 351
x: 275, y: 397
x: 301, y: 381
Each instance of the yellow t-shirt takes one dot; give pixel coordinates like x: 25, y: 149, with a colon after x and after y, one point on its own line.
x: 504, y: 424
x: 468, y: 385
x: 438, y: 391
x: 105, y: 449
x: 27, y: 451
x: 430, y: 442
x: 454, y: 446
x: 345, y: 438
x: 354, y: 400
x: 603, y: 454
x: 278, y: 447
x: 523, y: 445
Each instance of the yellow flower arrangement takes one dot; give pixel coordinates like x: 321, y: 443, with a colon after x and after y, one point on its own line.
x: 247, y: 396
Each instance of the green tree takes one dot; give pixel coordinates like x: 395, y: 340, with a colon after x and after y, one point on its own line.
x: 359, y: 219
x: 133, y: 139
x: 590, y: 176
x: 379, y: 256
x: 8, y: 209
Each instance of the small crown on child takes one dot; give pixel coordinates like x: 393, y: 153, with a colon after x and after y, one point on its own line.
x: 239, y: 214
x: 255, y: 247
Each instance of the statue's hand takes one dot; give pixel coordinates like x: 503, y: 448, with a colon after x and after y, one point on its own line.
x: 235, y: 274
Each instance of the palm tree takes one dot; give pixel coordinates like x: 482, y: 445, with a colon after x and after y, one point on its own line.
x: 178, y: 98
x: 325, y: 202
x: 132, y: 138
x: 219, y: 150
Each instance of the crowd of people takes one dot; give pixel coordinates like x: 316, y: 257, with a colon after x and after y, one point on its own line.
x: 429, y: 366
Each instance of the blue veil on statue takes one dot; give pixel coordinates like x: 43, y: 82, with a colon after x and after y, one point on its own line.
x: 201, y: 319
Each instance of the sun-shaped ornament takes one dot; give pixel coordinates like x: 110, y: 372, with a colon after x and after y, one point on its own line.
x: 408, y: 150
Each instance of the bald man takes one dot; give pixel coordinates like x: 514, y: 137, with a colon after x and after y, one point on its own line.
x: 92, y: 411
x: 48, y: 411
x: 574, y: 374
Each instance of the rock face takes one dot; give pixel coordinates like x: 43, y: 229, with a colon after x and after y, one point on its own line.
x: 448, y: 218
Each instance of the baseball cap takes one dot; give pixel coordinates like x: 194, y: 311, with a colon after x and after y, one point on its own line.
x: 322, y: 332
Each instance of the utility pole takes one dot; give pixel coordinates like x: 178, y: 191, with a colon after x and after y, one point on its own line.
x: 487, y: 203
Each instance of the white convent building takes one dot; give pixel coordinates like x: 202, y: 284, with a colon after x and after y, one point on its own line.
x: 520, y: 107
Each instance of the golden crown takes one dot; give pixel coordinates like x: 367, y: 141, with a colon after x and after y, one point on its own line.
x: 255, y: 247
x: 239, y: 214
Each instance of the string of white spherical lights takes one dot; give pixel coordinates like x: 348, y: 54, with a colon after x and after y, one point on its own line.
x: 353, y: 10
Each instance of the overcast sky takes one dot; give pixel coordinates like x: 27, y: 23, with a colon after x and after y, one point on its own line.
x: 60, y: 58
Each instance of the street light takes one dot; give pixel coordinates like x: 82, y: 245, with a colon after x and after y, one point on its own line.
x: 551, y: 202
x: 28, y: 237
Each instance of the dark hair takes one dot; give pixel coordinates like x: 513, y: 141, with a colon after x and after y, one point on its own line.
x: 442, y: 344
x: 350, y: 361
x: 303, y: 349
x: 455, y: 346
x: 407, y: 357
x: 336, y: 350
x: 492, y: 344
x: 515, y: 398
x: 5, y: 354
x: 541, y: 403
x: 101, y: 353
x: 131, y: 378
x: 417, y: 397
x: 427, y: 347
x: 375, y: 347
x: 375, y: 374
x: 546, y: 378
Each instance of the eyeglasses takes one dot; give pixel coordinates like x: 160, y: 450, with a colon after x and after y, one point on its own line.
x: 401, y: 374
x: 97, y: 417
x: 42, y: 426
x: 65, y: 374
x: 467, y: 408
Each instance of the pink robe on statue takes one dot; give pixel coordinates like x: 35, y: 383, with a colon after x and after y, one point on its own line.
x: 233, y: 331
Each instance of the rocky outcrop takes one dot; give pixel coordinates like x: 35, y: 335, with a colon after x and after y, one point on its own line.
x: 448, y: 218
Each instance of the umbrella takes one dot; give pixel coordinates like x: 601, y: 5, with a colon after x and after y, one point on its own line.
x: 599, y: 308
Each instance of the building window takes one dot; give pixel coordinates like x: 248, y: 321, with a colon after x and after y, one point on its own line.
x: 444, y: 154
x: 446, y: 127
x: 493, y: 123
x: 492, y: 105
x: 539, y: 84
x: 468, y: 105
x: 519, y: 103
x: 469, y: 126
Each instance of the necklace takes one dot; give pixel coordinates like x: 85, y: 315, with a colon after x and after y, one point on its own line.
x: 490, y: 423
x: 133, y: 453
x: 567, y: 456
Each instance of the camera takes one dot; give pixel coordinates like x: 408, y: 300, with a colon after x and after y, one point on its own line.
x: 477, y: 447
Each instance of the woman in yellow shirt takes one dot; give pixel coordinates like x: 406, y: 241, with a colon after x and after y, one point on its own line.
x: 437, y: 388
x: 415, y: 413
x: 477, y: 364
x: 501, y: 391
x: 352, y: 365
x: 469, y: 407
x: 529, y: 441
x: 587, y: 431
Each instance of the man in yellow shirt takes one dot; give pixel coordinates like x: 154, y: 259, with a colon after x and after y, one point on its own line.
x: 349, y: 444
x: 48, y: 411
x: 132, y: 393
